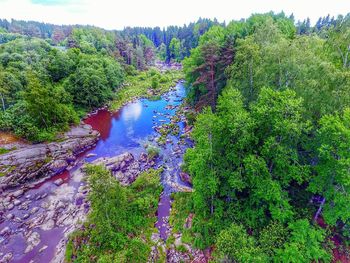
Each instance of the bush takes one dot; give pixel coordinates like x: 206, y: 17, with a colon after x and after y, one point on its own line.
x: 155, y: 82
x: 152, y: 152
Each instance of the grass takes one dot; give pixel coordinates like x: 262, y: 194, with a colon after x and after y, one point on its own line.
x: 3, y: 150
x: 140, y: 85
x: 152, y: 152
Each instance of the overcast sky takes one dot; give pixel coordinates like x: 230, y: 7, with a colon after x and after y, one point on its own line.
x: 118, y: 14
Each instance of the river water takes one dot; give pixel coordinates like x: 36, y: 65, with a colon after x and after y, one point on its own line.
x: 128, y: 129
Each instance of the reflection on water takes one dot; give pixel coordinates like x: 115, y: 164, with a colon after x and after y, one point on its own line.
x: 132, y: 111
x: 126, y: 129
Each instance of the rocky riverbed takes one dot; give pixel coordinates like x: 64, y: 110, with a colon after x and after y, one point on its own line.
x: 37, y: 218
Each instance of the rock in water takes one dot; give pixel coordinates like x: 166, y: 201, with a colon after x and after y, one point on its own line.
x: 124, y: 167
x: 32, y: 241
x: 58, y: 182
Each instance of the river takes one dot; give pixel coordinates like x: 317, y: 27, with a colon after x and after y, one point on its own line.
x: 127, y: 130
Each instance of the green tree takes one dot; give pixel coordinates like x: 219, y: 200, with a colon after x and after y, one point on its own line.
x: 235, y: 245
x: 332, y: 179
x: 175, y: 49
x: 303, y: 245
x: 48, y: 106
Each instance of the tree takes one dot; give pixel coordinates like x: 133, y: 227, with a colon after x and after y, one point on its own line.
x: 175, y: 49
x: 332, y: 179
x: 304, y: 244
x: 108, y: 211
x: 235, y: 245
x: 339, y: 40
x: 245, y: 70
x: 48, y: 106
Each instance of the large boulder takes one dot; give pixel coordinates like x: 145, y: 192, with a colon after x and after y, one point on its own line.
x: 124, y: 167
x: 44, y: 159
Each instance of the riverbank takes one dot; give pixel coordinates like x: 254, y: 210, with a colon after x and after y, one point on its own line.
x: 28, y: 162
x: 42, y: 216
x: 149, y: 84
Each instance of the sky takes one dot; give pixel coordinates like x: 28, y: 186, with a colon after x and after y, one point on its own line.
x: 118, y: 14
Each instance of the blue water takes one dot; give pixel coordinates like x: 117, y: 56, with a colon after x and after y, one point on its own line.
x: 133, y: 125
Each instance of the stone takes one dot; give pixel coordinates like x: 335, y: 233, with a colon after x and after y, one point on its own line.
x: 32, y: 241
x: 34, y: 210
x: 185, y: 177
x: 17, y: 202
x: 5, y: 231
x: 25, y: 216
x: 10, y: 207
x: 58, y: 166
x: 24, y: 205
x: 58, y: 182
x: 10, y: 216
x: 18, y: 193
x: 17, y: 219
x: 43, y: 248
x: 124, y: 167
x: 7, y: 257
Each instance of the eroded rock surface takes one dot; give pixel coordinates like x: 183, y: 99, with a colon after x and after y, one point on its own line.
x: 124, y: 167
x: 45, y: 159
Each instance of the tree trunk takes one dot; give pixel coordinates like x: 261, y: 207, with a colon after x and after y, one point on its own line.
x: 213, y: 86
x: 251, y: 78
x: 319, y: 209
x: 3, y: 102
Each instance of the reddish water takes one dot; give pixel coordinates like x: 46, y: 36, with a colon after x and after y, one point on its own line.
x: 125, y: 130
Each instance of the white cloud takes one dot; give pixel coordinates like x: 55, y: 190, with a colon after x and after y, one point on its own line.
x: 120, y: 13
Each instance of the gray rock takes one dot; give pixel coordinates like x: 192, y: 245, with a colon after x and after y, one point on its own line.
x: 124, y: 167
x: 17, y: 193
x: 34, y: 210
x: 43, y: 248
x: 17, y: 202
x: 32, y: 241
x: 5, y: 231
x: 10, y: 216
x: 6, y: 258
x: 41, y: 160
x: 58, y: 182
x: 25, y: 216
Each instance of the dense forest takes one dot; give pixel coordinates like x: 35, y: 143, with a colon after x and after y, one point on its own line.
x: 271, y: 155
x: 270, y: 162
x: 51, y: 75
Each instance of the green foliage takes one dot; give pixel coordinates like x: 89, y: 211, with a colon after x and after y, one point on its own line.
x: 234, y: 244
x: 152, y: 152
x: 257, y: 168
x: 276, y: 136
x: 332, y: 179
x: 155, y: 82
x: 41, y: 86
x: 303, y: 245
x: 175, y: 49
x: 121, y: 219
x: 3, y: 150
x: 137, y: 86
